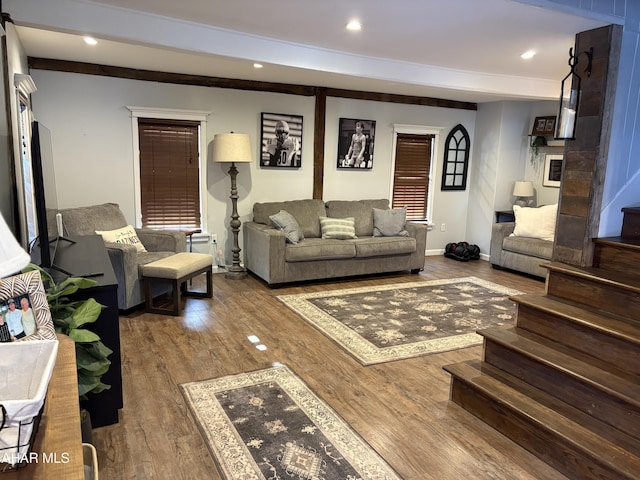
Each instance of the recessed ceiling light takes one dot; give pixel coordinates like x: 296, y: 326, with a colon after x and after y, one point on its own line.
x: 528, y: 54
x: 257, y: 65
x: 354, y: 26
x: 90, y: 40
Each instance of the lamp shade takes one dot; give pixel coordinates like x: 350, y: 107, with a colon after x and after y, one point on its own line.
x: 12, y: 256
x: 523, y: 189
x: 232, y: 147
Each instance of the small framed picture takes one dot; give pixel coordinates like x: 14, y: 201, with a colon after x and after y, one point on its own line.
x: 544, y: 126
x: 24, y: 310
x: 356, y: 140
x: 281, y: 140
x: 552, y: 170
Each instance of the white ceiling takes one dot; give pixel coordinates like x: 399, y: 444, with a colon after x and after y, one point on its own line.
x: 465, y: 50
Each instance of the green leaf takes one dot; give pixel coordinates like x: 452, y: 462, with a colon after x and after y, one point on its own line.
x: 86, y: 383
x: 98, y: 350
x: 81, y: 335
x: 87, y: 312
x: 86, y: 361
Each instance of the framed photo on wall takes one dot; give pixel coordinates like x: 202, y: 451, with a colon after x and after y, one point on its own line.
x: 356, y: 139
x: 281, y: 140
x: 552, y: 170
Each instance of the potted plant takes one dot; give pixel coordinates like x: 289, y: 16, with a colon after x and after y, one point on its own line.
x: 69, y: 317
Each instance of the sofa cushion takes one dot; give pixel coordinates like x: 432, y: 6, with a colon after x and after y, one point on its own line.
x: 535, y: 247
x: 306, y: 212
x: 338, y: 228
x: 390, y: 223
x: 319, y: 249
x: 384, y: 246
x: 537, y: 222
x: 86, y: 220
x: 285, y: 222
x: 126, y: 235
x: 360, y: 210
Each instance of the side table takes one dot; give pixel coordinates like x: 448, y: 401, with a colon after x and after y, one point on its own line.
x: 505, y: 216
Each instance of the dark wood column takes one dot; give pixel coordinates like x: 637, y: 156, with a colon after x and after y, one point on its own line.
x: 585, y: 158
x: 318, y: 142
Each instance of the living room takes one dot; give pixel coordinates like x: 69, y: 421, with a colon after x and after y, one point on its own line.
x: 90, y: 120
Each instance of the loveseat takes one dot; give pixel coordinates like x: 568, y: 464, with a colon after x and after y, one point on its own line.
x: 527, y: 243
x: 375, y: 239
x: 126, y: 258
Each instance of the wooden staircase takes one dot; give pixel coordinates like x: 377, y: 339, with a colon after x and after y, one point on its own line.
x: 564, y: 381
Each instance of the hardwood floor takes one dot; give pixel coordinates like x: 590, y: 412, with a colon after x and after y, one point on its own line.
x: 401, y: 408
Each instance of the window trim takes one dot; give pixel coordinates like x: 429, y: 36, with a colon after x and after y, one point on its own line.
x: 417, y: 130
x: 169, y: 114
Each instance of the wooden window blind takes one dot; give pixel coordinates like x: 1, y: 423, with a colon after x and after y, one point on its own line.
x: 411, y: 175
x: 169, y: 174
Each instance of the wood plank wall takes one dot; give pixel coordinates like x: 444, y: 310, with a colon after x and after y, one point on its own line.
x: 585, y: 158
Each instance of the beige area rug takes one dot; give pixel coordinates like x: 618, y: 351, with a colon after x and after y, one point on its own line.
x: 393, y: 322
x: 268, y: 424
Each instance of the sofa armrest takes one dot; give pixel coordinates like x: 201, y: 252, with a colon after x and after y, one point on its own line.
x: 264, y: 251
x: 162, y: 240
x: 499, y: 232
x: 124, y: 260
x: 418, y: 231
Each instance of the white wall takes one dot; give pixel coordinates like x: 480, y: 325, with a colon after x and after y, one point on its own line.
x: 92, y: 146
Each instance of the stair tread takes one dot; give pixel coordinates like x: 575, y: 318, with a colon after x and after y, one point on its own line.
x: 544, y: 352
x: 600, y: 440
x: 600, y: 275
x: 633, y: 243
x: 598, y: 320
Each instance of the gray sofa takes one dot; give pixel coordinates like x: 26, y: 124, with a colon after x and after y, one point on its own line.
x: 126, y: 260
x: 522, y: 254
x: 268, y: 255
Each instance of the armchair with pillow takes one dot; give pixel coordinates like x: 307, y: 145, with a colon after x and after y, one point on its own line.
x: 527, y: 243
x: 128, y: 248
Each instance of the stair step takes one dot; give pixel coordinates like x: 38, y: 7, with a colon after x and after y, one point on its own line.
x: 552, y: 368
x: 568, y: 440
x: 618, y: 254
x: 602, y: 336
x: 610, y: 291
x: 631, y: 222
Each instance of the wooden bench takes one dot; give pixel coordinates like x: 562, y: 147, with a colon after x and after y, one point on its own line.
x: 176, y: 270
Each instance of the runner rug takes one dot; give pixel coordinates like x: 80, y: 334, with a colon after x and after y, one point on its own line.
x: 268, y: 424
x: 392, y: 322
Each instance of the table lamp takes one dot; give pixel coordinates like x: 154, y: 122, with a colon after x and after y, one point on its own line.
x: 233, y: 148
x: 13, y: 257
x: 523, y: 191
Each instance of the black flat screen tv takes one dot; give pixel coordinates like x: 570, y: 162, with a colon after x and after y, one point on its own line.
x: 44, y: 193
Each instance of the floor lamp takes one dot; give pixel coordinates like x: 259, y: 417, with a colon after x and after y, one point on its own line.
x: 233, y: 148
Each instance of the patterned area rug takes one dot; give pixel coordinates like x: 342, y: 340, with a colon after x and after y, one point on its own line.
x: 393, y: 322
x: 269, y: 424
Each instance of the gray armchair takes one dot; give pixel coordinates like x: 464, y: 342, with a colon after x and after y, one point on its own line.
x: 126, y: 260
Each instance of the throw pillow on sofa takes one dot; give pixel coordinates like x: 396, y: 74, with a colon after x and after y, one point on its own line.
x: 537, y: 222
x: 338, y: 228
x: 125, y: 235
x: 390, y: 223
x: 285, y: 222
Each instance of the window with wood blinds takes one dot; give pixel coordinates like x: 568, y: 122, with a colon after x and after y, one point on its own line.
x: 411, y: 174
x: 169, y: 174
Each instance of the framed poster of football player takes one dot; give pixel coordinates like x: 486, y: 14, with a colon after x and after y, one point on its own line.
x: 281, y: 144
x: 355, y: 143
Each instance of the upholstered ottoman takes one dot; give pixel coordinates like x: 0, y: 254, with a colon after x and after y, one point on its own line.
x: 176, y: 270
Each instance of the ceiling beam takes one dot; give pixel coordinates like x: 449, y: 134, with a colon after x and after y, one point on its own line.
x: 218, y: 82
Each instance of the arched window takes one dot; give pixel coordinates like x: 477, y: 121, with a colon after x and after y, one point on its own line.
x: 456, y: 159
